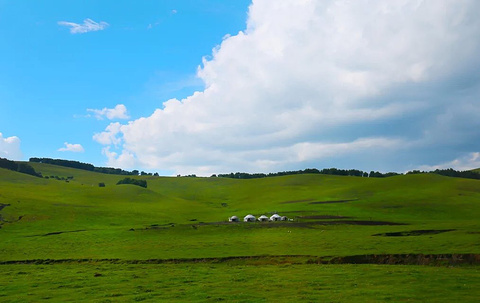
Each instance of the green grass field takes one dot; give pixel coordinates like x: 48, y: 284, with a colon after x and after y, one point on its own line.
x: 238, y: 283
x: 186, y: 218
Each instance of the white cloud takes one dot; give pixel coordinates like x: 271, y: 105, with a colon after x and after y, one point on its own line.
x: 88, y: 26
x: 10, y: 148
x: 317, y: 80
x: 126, y: 158
x: 76, y: 148
x: 119, y: 112
x: 109, y: 136
x: 465, y: 162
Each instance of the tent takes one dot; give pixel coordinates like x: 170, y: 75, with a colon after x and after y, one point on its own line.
x: 249, y: 218
x: 275, y: 217
x: 233, y: 219
x: 263, y: 218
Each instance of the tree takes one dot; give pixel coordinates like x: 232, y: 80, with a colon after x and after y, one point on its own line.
x: 27, y: 169
x: 21, y: 167
x: 142, y: 183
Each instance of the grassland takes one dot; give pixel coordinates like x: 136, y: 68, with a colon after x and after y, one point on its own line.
x: 238, y: 283
x: 185, y: 218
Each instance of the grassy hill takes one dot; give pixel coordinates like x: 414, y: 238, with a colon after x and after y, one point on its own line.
x: 186, y: 218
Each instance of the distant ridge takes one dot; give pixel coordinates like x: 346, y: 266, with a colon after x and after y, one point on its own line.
x: 469, y: 174
x: 325, y: 171
x: 84, y: 166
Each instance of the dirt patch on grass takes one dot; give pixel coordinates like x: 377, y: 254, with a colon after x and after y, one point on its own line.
x: 333, y: 201
x: 384, y: 259
x: 296, y: 201
x: 323, y: 217
x: 414, y: 233
x: 297, y: 211
x: 58, y: 233
x: 348, y: 222
x: 73, y: 205
x: 2, y: 206
x: 225, y: 223
x: 308, y: 224
x: 2, y: 220
x: 155, y: 227
x: 407, y: 259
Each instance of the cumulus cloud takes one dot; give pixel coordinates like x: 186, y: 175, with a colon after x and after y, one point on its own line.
x: 126, y: 158
x: 118, y: 112
x: 10, y: 148
x: 317, y: 83
x: 76, y: 148
x: 88, y: 26
x: 109, y: 136
x: 465, y: 162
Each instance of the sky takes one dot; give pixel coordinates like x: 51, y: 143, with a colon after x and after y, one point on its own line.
x: 203, y: 86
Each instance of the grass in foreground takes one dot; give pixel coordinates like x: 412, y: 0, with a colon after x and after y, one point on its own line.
x: 237, y: 283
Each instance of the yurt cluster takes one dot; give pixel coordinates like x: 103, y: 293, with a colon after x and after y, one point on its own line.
x: 262, y: 218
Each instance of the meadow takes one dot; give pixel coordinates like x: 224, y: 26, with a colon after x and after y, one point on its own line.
x: 76, y: 241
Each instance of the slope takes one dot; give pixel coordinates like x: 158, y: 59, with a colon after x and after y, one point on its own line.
x: 186, y: 217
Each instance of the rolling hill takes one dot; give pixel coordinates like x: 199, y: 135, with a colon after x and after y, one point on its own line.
x: 70, y: 217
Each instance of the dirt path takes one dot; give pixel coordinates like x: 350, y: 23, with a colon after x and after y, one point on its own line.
x: 414, y: 233
x: 307, y: 224
x: 58, y: 233
x: 410, y: 259
x: 324, y: 217
x: 385, y: 259
x: 333, y: 201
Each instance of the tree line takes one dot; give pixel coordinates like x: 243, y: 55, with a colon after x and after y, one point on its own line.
x: 325, y: 171
x: 352, y: 172
x: 25, y: 168
x: 450, y: 172
x: 84, y: 166
x: 19, y: 167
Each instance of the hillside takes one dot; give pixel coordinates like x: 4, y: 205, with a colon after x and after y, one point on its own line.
x: 68, y: 239
x: 186, y: 217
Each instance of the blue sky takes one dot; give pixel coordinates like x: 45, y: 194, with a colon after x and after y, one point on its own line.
x: 147, y: 54
x: 218, y: 86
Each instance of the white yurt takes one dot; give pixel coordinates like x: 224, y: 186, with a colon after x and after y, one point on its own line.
x: 275, y: 217
x: 233, y: 219
x: 283, y: 218
x: 249, y: 218
x: 263, y: 218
